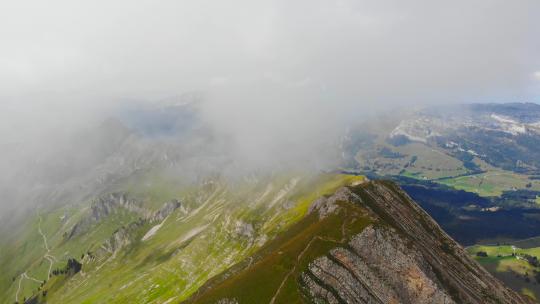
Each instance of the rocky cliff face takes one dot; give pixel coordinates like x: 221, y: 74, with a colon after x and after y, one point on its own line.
x: 404, y: 257
x: 377, y: 267
x: 165, y: 210
x: 106, y: 205
x: 120, y: 238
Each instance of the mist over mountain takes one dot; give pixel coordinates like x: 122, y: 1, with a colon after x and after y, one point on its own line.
x: 280, y: 79
x: 276, y: 151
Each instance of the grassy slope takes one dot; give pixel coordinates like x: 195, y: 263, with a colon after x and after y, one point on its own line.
x: 27, y: 253
x: 176, y: 260
x: 282, y: 260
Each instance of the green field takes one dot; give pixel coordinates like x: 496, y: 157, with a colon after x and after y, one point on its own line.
x: 515, y: 272
x: 415, y: 159
x: 424, y: 162
x: 492, y: 183
x: 431, y: 163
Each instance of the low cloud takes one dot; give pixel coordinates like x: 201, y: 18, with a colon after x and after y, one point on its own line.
x: 279, y: 78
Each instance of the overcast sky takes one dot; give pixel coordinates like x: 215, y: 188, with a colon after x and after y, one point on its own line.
x: 80, y: 51
x: 269, y: 69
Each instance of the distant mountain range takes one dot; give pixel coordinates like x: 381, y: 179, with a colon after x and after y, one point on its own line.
x: 504, y: 135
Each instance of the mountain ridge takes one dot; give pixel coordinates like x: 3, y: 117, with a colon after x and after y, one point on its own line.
x: 370, y: 264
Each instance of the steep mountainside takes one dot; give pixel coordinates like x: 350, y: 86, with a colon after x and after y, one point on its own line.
x: 154, y: 238
x: 368, y: 243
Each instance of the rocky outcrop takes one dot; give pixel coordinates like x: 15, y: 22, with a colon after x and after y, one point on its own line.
x: 405, y: 257
x: 120, y: 238
x: 327, y: 205
x: 124, y: 235
x: 102, y: 207
x: 106, y: 205
x: 165, y: 210
x: 244, y: 229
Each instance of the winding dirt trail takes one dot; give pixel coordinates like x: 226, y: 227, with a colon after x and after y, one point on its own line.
x: 47, y: 257
x: 43, y: 235
x: 24, y: 276
x: 51, y: 260
x: 299, y: 257
x: 19, y: 288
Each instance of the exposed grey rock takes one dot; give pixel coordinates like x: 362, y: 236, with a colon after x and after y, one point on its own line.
x: 378, y: 267
x: 244, y: 229
x: 120, y: 238
x: 106, y: 205
x: 102, y: 207
x: 327, y: 205
x: 165, y: 210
